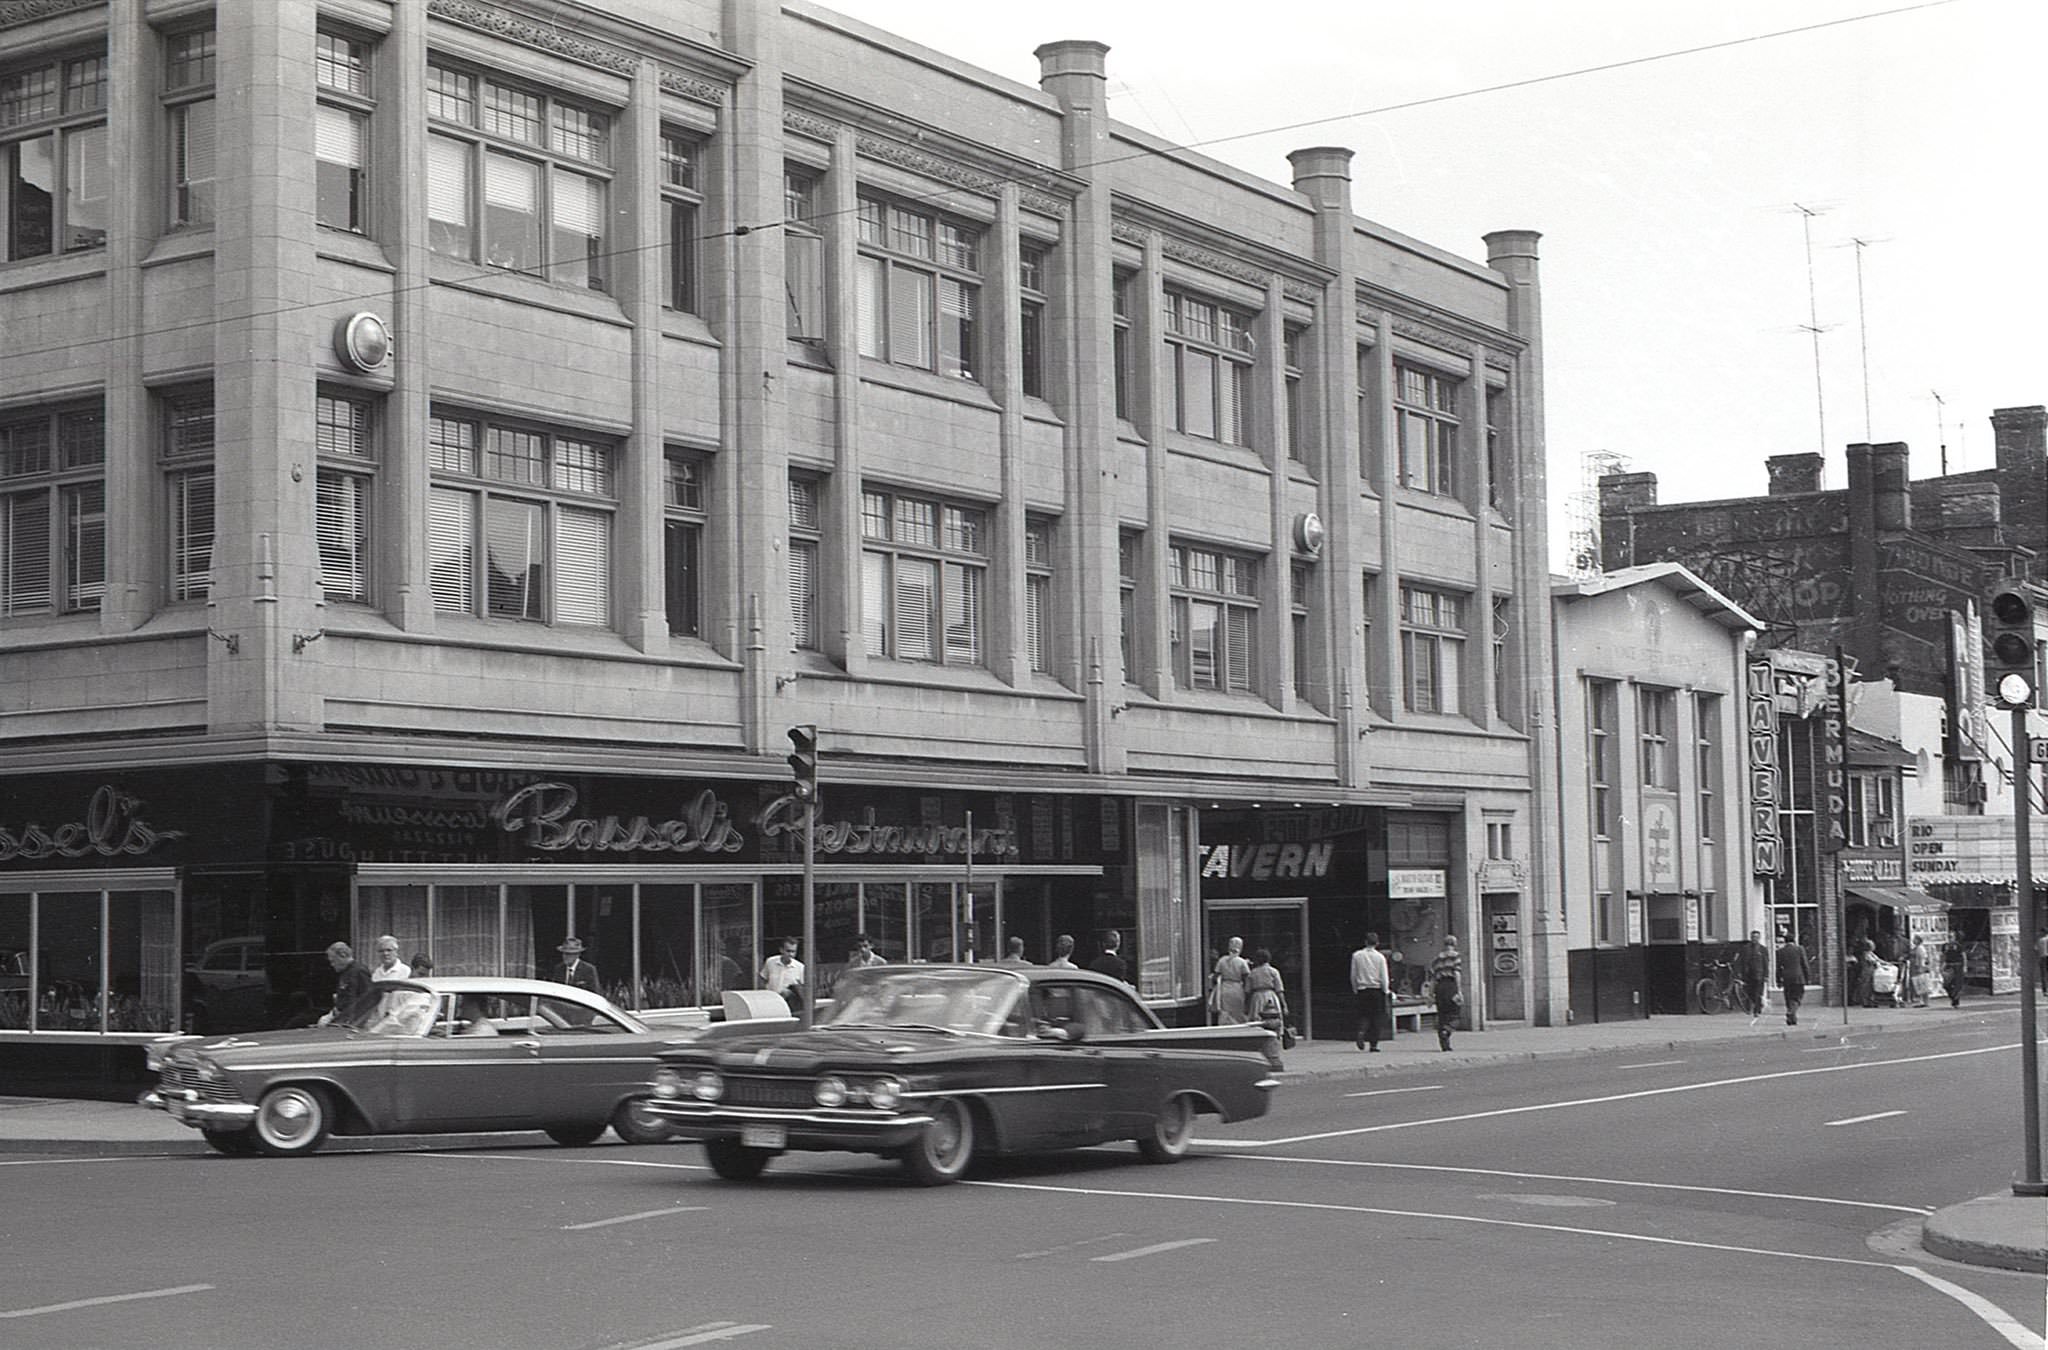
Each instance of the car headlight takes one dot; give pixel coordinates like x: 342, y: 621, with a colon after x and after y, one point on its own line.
x: 668, y: 1083
x: 209, y: 1071
x: 707, y: 1087
x: 830, y: 1092
x: 885, y: 1094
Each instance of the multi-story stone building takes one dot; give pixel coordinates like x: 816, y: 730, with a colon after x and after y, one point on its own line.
x: 448, y: 444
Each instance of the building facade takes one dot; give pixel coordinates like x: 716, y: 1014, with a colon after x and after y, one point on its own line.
x: 1651, y: 715
x: 476, y: 433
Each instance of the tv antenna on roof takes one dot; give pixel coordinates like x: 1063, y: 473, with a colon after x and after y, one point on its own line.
x: 1813, y: 324
x: 1941, y: 428
x: 1862, y: 328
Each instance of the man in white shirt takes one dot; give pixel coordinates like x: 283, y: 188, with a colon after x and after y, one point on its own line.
x: 783, y: 974
x: 388, y: 966
x: 1371, y: 985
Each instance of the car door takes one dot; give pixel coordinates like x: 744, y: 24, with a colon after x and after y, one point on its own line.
x: 589, y: 1060
x: 1132, y: 1061
x: 478, y: 1067
x: 1074, y: 1099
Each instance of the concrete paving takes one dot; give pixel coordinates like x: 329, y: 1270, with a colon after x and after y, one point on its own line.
x: 2002, y: 1230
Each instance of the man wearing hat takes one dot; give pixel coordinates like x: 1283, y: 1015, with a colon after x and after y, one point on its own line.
x: 574, y: 969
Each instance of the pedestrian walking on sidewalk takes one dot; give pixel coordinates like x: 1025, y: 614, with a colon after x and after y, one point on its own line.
x: 1753, y: 967
x: 1792, y: 973
x: 1266, y: 993
x: 1370, y: 985
x: 1952, y: 972
x: 1227, y: 994
x: 1447, y: 982
x: 1919, y: 972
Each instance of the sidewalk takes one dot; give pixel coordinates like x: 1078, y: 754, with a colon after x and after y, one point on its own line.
x: 1997, y: 1230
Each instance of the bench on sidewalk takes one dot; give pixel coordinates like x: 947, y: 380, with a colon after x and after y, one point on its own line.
x: 1413, y: 1014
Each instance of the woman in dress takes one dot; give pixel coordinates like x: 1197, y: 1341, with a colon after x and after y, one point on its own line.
x: 1227, y: 994
x: 1266, y: 993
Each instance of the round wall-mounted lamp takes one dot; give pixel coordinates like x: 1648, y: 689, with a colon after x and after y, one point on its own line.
x: 1308, y: 533
x: 362, y: 342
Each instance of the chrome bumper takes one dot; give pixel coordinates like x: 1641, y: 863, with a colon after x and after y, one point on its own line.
x: 819, y: 1129
x: 187, y: 1109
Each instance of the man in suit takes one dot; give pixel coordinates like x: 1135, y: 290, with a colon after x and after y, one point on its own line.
x: 574, y: 970
x: 351, y: 983
x: 1792, y: 977
x: 1109, y: 963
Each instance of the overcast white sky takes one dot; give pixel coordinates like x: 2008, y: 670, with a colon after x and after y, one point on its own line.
x: 1675, y: 270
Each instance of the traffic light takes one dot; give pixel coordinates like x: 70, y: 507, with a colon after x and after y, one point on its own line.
x: 2009, y: 627
x: 803, y: 762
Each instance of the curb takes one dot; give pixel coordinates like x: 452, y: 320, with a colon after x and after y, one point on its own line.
x: 1940, y: 1234
x: 197, y: 1147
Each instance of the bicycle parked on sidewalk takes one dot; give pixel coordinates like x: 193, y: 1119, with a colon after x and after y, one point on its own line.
x: 1721, y: 988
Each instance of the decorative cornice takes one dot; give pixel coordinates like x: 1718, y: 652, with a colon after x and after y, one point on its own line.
x: 1303, y: 291
x: 1042, y: 204
x: 1435, y: 337
x: 544, y: 37
x: 1126, y: 233
x: 13, y: 12
x: 1181, y: 251
x: 804, y: 124
x: 674, y: 81
x: 931, y: 166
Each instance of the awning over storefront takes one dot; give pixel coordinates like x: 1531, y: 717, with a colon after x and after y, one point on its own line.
x: 1896, y: 897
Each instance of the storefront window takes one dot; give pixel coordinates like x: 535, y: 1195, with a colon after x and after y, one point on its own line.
x: 68, y: 961
x: 728, y: 952
x: 882, y: 914
x: 668, y: 934
x: 536, y: 924
x: 931, y: 921
x: 836, y: 924
x: 142, y: 961
x: 400, y: 911
x: 465, y: 929
x: 603, y: 917
x: 17, y: 990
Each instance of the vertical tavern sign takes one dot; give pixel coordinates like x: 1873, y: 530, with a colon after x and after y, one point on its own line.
x: 1762, y: 740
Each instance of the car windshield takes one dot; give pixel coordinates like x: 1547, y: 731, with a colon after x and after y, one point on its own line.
x: 392, y: 1010
x: 967, y: 1001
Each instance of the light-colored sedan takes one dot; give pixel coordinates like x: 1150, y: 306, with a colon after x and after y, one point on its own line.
x: 436, y: 1055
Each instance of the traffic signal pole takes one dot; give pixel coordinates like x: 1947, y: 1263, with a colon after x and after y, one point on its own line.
x: 803, y: 782
x: 2030, y: 963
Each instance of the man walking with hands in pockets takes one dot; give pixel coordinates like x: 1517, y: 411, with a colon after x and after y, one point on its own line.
x: 1369, y: 983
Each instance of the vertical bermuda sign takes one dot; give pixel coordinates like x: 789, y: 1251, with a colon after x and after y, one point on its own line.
x: 1762, y: 726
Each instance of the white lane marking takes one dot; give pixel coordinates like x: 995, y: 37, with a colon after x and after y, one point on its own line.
x: 1153, y: 1250
x: 1616, y: 1097
x: 703, y: 1335
x: 107, y: 1298
x: 1389, y: 1092
x: 1916, y: 1211
x: 550, y: 1157
x: 116, y: 1158
x: 1479, y: 1220
x: 1994, y: 1316
x: 630, y: 1218
x: 1083, y: 1242
x: 1652, y: 1064
x: 1858, y: 1120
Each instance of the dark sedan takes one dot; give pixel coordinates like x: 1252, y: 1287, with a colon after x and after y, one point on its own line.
x: 422, y: 1056
x: 939, y: 1064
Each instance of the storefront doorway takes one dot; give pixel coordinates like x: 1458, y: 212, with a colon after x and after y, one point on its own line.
x: 1280, y: 927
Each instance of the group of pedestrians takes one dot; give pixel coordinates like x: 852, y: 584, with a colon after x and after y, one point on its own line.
x: 1251, y: 989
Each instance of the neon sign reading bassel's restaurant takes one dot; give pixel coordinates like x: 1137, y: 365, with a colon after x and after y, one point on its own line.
x: 113, y: 826
x: 785, y: 816
x: 542, y: 812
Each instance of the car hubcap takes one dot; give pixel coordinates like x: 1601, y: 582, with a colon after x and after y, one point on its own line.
x: 288, y: 1118
x: 944, y: 1140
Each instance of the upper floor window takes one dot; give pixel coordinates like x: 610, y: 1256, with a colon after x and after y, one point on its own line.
x: 1426, y: 416
x: 519, y: 522
x: 1297, y: 442
x: 1873, y: 810
x: 1215, y: 618
x: 682, y: 545
x: 803, y: 255
x: 1038, y: 628
x: 341, y: 132
x: 53, y: 158
x: 188, y: 100
x: 1120, y: 353
x: 682, y: 201
x: 186, y: 456
x: 1499, y: 463
x: 515, y: 178
x: 1603, y: 766
x: 1656, y: 716
x: 1503, y: 673
x: 1707, y: 762
x: 804, y: 542
x: 1298, y: 597
x: 1208, y: 352
x: 1130, y: 550
x: 1432, y: 649
x: 919, y: 284
x: 345, y: 435
x: 1031, y: 262
x: 1500, y: 840
x: 923, y: 565
x: 53, y: 512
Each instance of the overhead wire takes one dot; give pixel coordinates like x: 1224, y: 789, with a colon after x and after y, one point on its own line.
x: 1166, y: 151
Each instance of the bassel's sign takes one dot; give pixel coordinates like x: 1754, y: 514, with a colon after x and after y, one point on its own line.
x: 111, y: 826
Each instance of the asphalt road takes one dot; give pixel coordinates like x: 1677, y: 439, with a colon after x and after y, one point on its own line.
x: 1731, y: 1195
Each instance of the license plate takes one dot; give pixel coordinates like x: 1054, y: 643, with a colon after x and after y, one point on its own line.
x: 764, y: 1136
x: 176, y: 1107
